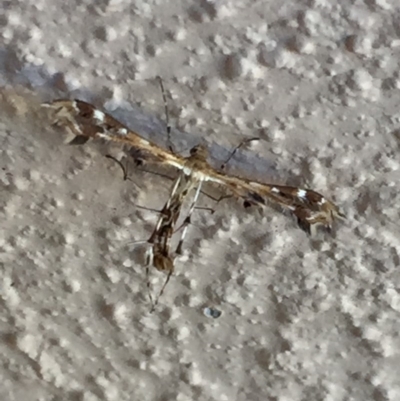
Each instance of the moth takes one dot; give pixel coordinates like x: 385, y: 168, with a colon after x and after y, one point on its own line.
x: 83, y: 122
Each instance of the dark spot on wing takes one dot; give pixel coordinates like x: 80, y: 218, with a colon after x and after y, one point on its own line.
x: 79, y: 140
x: 85, y: 109
x: 257, y: 198
x: 304, y: 225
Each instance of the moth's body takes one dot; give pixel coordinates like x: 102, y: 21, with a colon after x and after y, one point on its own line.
x: 159, y: 254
